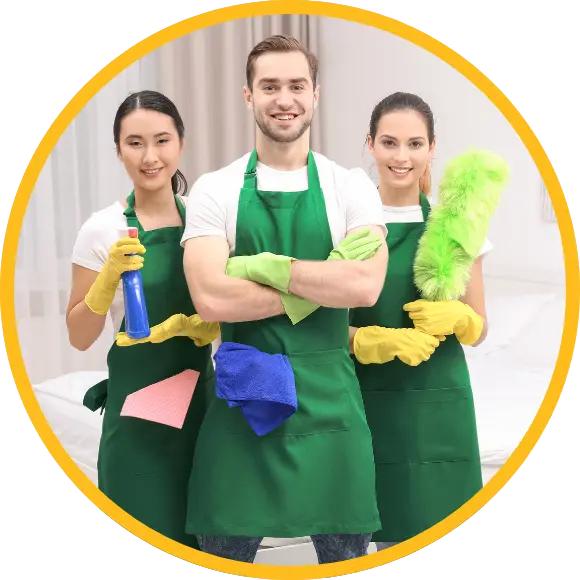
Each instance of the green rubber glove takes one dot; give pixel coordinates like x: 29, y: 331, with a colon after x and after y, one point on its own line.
x: 359, y: 246
x: 265, y: 268
x: 297, y: 308
x: 274, y: 270
x: 243, y: 267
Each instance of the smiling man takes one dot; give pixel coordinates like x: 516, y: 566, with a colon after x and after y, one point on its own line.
x: 278, y: 246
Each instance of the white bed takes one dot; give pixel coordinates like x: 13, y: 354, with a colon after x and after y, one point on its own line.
x: 510, y: 374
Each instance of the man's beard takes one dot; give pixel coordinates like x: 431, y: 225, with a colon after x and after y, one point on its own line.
x: 282, y: 136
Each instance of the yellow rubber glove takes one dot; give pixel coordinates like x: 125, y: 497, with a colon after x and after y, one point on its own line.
x: 378, y: 345
x: 101, y: 294
x: 446, y: 317
x: 202, y: 333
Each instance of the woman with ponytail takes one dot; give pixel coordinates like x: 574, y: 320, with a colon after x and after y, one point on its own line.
x: 425, y: 181
x: 415, y: 383
x: 144, y: 460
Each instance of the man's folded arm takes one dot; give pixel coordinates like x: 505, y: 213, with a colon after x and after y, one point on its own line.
x: 342, y: 283
x: 221, y: 298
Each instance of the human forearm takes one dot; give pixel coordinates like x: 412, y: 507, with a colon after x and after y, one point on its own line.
x: 475, y: 297
x: 84, y: 326
x: 321, y: 283
x: 226, y: 299
x: 340, y: 284
x: 219, y: 297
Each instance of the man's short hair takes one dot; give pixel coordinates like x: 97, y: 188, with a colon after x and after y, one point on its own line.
x: 280, y: 43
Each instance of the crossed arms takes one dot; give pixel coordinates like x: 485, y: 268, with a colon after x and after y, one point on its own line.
x: 333, y: 284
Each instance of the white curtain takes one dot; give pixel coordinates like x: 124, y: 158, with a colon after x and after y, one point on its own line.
x: 203, y: 73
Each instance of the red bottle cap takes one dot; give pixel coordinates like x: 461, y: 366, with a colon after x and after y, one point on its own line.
x: 133, y: 232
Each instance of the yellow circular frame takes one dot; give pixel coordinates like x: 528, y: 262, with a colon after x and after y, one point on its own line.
x: 316, y: 9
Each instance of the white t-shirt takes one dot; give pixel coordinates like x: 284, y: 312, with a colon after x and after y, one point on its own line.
x: 91, y: 249
x: 413, y: 214
x: 350, y: 196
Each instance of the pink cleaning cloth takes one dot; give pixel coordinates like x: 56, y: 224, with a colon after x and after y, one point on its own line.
x: 164, y: 402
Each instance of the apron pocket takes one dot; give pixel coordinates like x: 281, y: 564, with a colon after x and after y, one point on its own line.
x: 421, y: 426
x: 134, y: 446
x: 140, y: 447
x: 323, y: 383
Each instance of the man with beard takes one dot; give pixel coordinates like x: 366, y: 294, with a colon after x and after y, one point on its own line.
x: 278, y: 246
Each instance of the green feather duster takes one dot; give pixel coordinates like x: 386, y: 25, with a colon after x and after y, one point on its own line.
x: 469, y: 193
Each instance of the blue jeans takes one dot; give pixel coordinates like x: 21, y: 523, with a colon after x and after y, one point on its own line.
x: 384, y: 545
x: 329, y: 547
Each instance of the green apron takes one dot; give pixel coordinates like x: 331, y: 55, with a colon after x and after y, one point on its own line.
x: 143, y: 466
x: 314, y: 474
x: 422, y: 418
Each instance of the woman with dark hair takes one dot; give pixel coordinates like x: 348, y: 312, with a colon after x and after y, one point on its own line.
x: 414, y: 379
x: 144, y: 465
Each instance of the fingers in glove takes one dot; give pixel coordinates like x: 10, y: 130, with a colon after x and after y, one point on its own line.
x: 124, y: 340
x: 366, y: 255
x: 357, y: 236
x: 417, y: 315
x: 133, y: 263
x: 415, y: 306
x: 128, y: 246
x: 363, y: 244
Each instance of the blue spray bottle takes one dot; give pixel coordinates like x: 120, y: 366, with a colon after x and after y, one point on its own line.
x: 136, y: 321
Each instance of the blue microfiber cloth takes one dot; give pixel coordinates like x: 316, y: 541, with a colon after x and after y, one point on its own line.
x: 261, y: 384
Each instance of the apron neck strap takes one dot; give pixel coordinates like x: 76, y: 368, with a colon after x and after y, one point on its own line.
x: 131, y: 216
x: 251, y: 179
x: 180, y: 209
x: 129, y: 212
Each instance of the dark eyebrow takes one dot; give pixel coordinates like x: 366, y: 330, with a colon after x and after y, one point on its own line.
x: 395, y: 139
x: 141, y: 137
x: 268, y: 80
